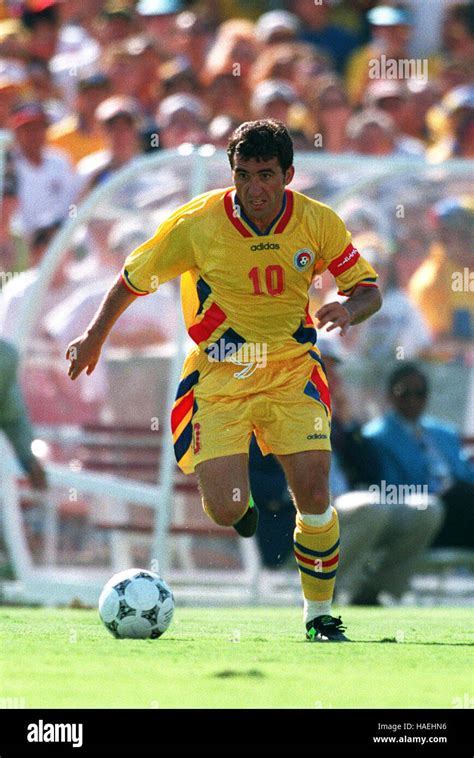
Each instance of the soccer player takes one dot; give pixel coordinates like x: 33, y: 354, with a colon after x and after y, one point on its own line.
x: 247, y: 256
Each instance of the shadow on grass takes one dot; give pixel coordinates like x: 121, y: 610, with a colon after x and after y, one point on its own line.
x: 391, y: 640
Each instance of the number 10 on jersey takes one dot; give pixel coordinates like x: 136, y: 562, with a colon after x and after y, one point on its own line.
x: 273, y: 278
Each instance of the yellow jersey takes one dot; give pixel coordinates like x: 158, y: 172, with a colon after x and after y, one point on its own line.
x: 241, y: 287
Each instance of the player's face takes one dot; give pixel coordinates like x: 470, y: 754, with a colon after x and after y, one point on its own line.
x: 260, y: 186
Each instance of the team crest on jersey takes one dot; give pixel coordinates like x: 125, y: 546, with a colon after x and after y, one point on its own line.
x: 303, y: 259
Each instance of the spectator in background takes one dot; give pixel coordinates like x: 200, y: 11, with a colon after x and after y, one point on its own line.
x: 14, y: 420
x: 421, y: 96
x: 452, y: 75
x: 47, y: 182
x: 298, y: 63
x: 117, y: 21
x: 438, y: 286
x: 373, y: 132
x: 43, y: 89
x: 234, y: 50
x: 181, y: 118
x: 277, y: 26
x: 317, y: 29
x: 225, y: 93
x: 120, y: 119
x: 79, y: 134
x: 414, y: 449
x: 458, y: 33
x: 331, y: 112
x: 42, y: 30
x: 132, y: 67
x: 273, y: 98
x: 194, y: 36
x: 458, y: 142
x: 158, y: 20
x: 413, y: 234
x: 391, y: 97
x: 177, y: 76
x: 391, y: 31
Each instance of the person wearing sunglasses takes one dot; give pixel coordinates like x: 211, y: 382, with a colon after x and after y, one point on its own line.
x: 416, y: 450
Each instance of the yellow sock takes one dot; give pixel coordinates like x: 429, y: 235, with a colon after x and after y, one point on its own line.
x: 317, y: 554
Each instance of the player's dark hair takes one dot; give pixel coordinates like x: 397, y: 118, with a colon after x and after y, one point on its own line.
x: 401, y: 372
x: 262, y: 140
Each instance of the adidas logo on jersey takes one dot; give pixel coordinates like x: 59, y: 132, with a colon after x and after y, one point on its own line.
x: 266, y: 246
x: 317, y: 437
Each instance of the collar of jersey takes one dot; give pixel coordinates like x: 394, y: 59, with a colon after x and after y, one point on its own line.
x: 246, y: 227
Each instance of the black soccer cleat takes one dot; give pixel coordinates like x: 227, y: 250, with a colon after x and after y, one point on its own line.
x: 247, y: 526
x: 326, y: 629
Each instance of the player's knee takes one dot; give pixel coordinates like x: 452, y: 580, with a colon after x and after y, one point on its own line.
x: 314, y: 500
x: 224, y: 514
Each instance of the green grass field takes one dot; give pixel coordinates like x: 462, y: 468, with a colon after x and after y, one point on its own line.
x: 238, y: 658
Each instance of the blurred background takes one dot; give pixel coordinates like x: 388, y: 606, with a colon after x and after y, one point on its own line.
x: 112, y: 114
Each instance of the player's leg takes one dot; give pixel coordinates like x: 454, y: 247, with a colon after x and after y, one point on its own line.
x: 211, y: 424
x: 225, y: 489
x: 316, y: 538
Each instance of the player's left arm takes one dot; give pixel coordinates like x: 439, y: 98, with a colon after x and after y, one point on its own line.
x: 355, y: 277
x: 359, y: 306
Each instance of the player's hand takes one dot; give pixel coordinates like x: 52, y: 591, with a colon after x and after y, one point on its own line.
x: 334, y: 314
x: 83, y: 352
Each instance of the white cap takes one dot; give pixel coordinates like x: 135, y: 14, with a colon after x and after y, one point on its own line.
x: 172, y: 104
x: 270, y: 90
x: 276, y: 21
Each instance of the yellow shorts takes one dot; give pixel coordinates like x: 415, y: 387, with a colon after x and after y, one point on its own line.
x: 218, y: 405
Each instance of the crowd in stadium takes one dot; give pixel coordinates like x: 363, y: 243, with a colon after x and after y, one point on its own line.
x: 87, y: 86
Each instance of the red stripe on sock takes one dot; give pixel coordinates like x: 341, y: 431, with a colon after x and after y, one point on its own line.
x: 316, y: 561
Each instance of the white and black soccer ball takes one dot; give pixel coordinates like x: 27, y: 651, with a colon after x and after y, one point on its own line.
x: 136, y: 604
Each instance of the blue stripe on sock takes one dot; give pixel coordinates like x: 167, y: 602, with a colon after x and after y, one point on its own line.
x: 317, y: 553
x: 317, y: 574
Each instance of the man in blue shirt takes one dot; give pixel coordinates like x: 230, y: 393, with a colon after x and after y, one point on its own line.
x: 318, y: 30
x: 417, y: 450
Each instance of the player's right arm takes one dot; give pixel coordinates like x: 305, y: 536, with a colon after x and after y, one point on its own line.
x: 84, y: 351
x: 169, y: 253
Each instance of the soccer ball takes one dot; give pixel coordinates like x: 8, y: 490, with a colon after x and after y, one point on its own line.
x: 136, y: 604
